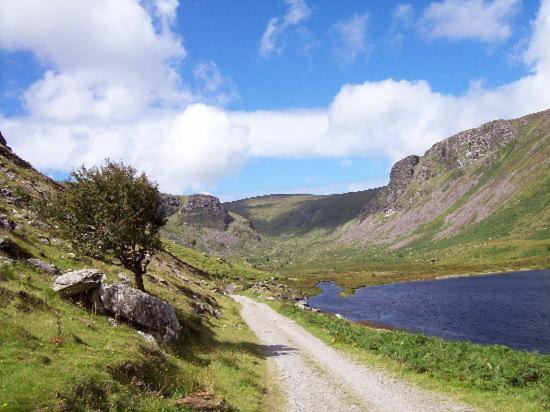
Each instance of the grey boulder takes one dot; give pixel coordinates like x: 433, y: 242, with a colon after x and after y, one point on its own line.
x: 140, y: 309
x: 78, y: 281
x: 43, y: 266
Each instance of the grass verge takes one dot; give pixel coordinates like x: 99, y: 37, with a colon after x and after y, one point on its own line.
x: 490, y: 377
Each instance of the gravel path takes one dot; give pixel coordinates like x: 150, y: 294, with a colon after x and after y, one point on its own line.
x: 315, y: 377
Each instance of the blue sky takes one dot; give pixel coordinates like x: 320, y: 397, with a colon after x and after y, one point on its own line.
x: 252, y: 97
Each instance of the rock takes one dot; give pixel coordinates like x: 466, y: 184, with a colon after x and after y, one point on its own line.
x: 2, y: 140
x: 6, y: 223
x: 204, y: 211
x: 43, y: 266
x: 141, y: 309
x: 169, y: 205
x: 157, y: 279
x: 205, y: 309
x: 78, y: 281
x: 202, y: 401
x: 230, y: 289
x: 113, y: 322
x: 338, y: 316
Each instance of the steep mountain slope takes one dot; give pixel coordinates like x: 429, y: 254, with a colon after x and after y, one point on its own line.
x: 462, y: 181
x: 58, y: 355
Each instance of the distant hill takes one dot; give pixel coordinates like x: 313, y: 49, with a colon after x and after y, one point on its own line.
x: 290, y: 215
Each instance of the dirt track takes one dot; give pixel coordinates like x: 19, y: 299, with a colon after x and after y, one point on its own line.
x: 316, y: 377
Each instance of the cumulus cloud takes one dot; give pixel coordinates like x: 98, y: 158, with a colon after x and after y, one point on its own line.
x: 484, y: 20
x: 188, y: 149
x: 351, y: 38
x: 107, y: 59
x: 271, y: 41
x: 81, y: 111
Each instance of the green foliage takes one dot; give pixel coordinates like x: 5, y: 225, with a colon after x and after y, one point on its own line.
x: 482, y: 367
x: 110, y: 211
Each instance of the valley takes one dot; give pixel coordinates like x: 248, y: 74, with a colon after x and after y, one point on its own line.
x: 475, y: 203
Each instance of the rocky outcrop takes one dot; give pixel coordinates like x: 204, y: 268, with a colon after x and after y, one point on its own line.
x: 78, y: 281
x: 6, y: 223
x: 2, y: 140
x: 401, y: 176
x: 204, y: 211
x: 140, y: 309
x: 169, y: 205
x: 453, y: 153
x: 465, y: 147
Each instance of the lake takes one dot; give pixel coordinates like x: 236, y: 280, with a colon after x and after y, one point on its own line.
x: 511, y: 309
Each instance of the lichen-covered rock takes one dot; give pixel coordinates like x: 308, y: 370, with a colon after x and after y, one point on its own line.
x: 78, y: 281
x: 204, y: 211
x: 141, y: 309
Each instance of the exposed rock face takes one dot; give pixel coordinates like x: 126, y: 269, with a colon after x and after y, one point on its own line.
x: 204, y: 211
x: 140, y: 309
x: 78, y: 281
x: 170, y: 204
x: 465, y: 147
x: 453, y: 153
x: 401, y: 176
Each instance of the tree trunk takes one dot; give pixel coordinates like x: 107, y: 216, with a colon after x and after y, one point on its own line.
x: 139, y: 280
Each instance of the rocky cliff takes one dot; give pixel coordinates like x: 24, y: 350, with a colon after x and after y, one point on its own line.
x: 459, y: 181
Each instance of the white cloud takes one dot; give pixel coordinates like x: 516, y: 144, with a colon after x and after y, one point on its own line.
x: 351, y: 38
x: 106, y: 60
x: 271, y: 41
x: 89, y: 113
x: 484, y: 20
x: 189, y: 149
x: 213, y: 86
x: 402, y: 19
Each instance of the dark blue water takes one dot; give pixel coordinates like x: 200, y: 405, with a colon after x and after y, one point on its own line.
x: 511, y: 309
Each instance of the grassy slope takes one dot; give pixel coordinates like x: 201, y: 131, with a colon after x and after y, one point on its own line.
x: 491, y: 377
x: 56, y: 355
x: 294, y: 215
x: 98, y: 366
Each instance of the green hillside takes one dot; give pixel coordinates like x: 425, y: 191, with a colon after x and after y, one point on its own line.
x: 291, y: 215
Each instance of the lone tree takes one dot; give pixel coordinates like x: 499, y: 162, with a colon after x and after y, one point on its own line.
x: 110, y: 212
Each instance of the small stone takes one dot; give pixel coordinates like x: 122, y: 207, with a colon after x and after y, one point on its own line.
x: 43, y: 266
